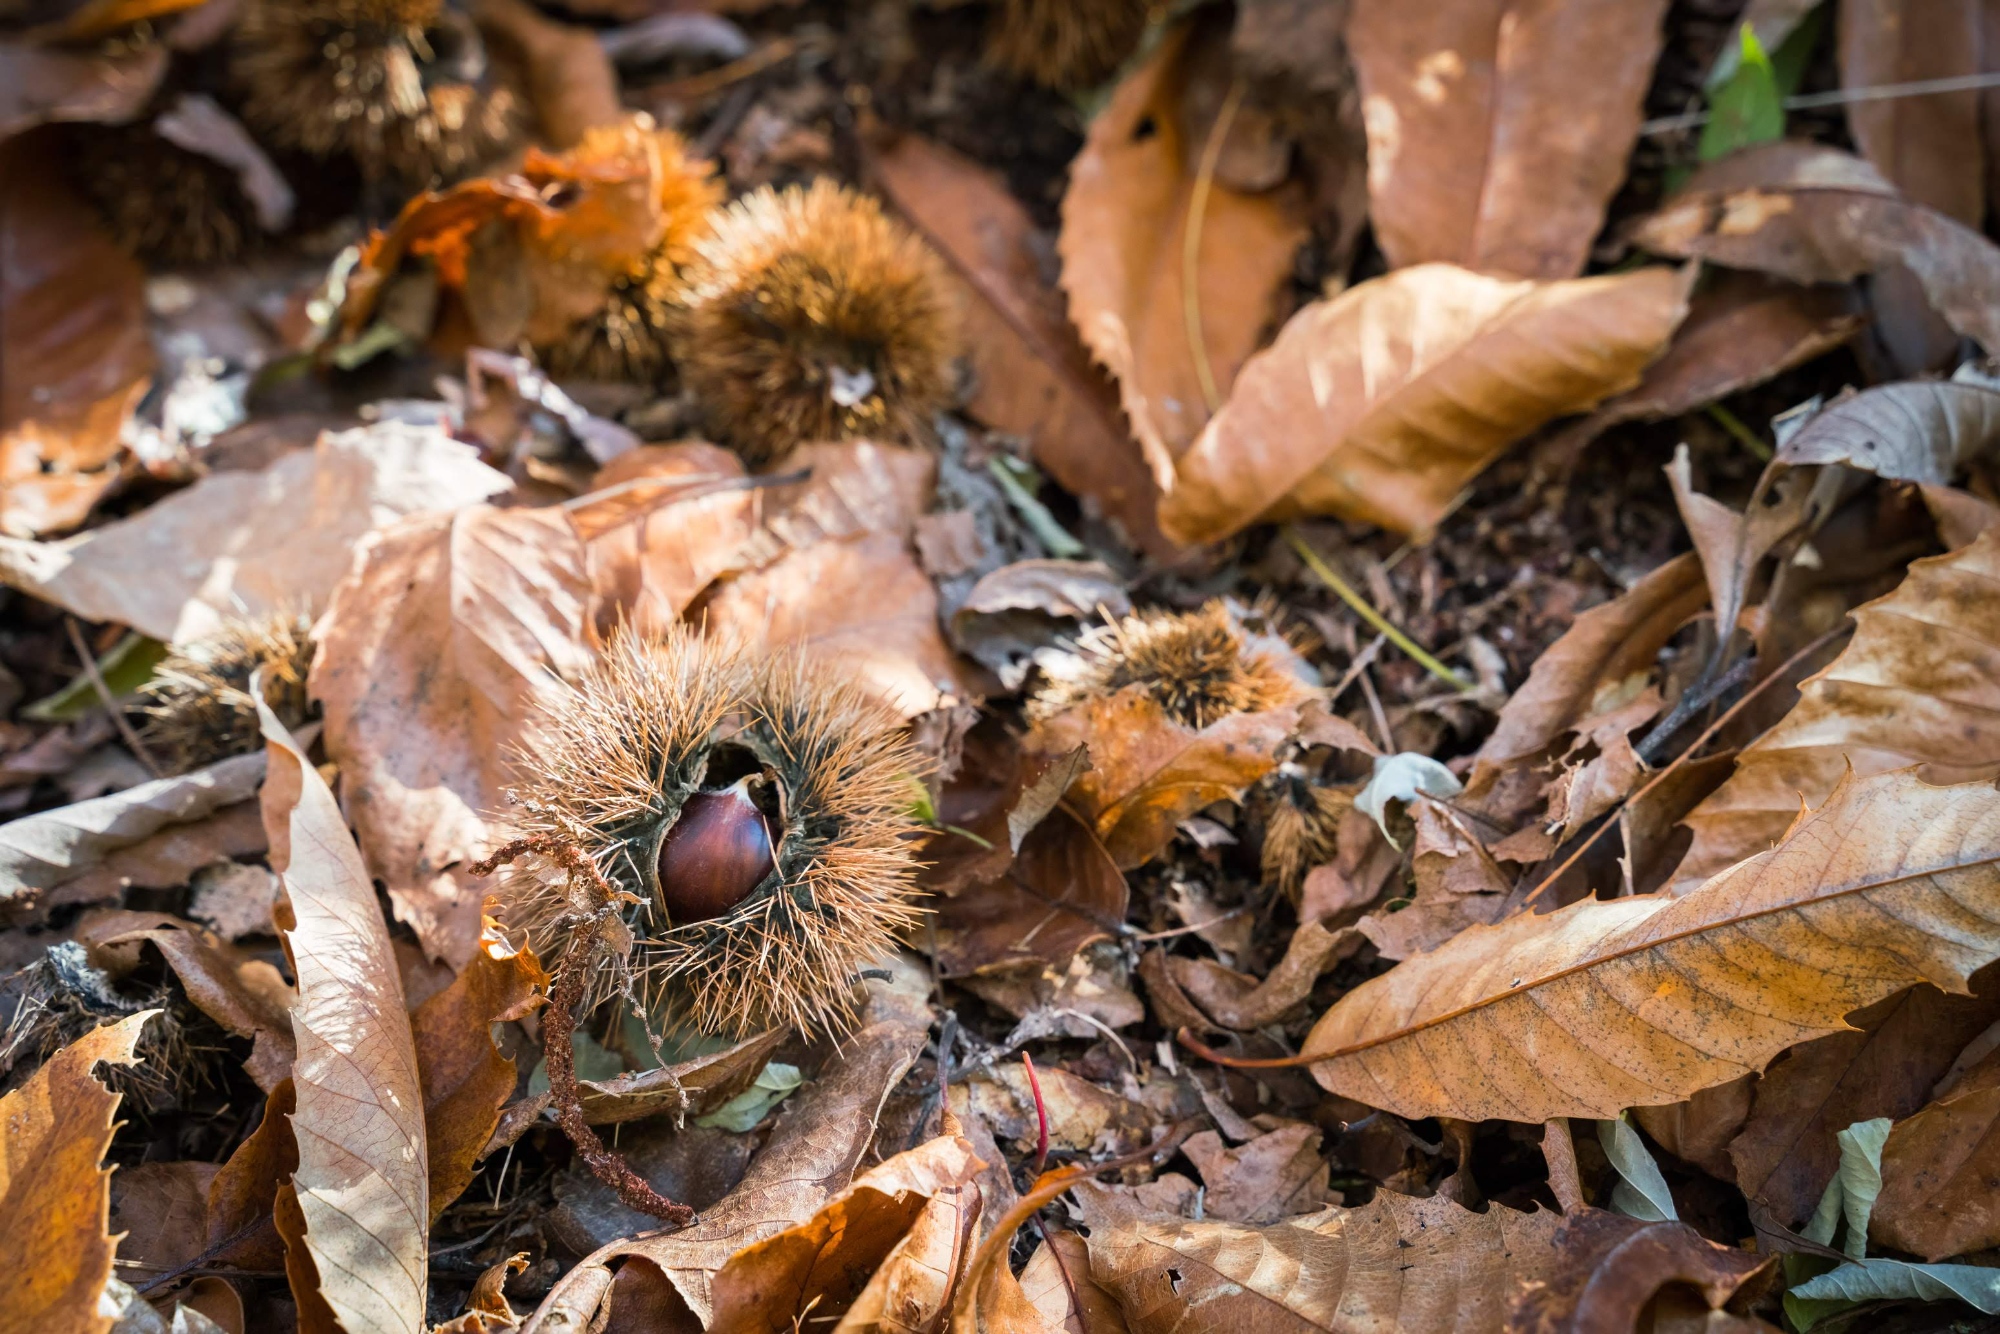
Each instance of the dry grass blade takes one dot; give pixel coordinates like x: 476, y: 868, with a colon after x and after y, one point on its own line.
x: 363, y: 1177
x: 54, y: 1198
x: 1642, y: 1001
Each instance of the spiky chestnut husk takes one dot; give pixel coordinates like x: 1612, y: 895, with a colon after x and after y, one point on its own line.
x: 611, y: 769
x: 1066, y: 44
x: 811, y: 315
x: 1199, y: 666
x: 1301, y: 828
x: 628, y: 340
x: 198, y: 707
x: 404, y: 87
x: 163, y: 203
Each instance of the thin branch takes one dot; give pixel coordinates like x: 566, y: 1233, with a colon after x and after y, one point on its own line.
x: 110, y: 701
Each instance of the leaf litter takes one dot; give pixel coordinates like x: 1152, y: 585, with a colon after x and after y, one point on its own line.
x: 1323, y: 678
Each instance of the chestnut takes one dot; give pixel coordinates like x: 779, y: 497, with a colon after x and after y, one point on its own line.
x: 716, y: 853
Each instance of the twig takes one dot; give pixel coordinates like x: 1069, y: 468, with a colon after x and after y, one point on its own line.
x: 1366, y: 611
x: 1204, y: 180
x: 1693, y: 702
x: 109, y: 701
x: 1882, y: 92
x: 1746, y: 437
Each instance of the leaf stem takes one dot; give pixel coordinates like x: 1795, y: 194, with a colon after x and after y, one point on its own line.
x: 1366, y: 611
x: 1204, y: 180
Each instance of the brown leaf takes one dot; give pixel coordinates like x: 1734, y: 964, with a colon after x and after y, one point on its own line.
x: 1916, y: 685
x: 1415, y: 1266
x: 1741, y: 329
x: 169, y: 858
x: 55, y: 1199
x: 810, y: 1158
x: 1149, y: 771
x: 1610, y: 1004
x: 1082, y: 1117
x: 486, y: 1307
x: 912, y: 1287
x: 1246, y: 1004
x: 1483, y: 149
x: 240, y: 1198
x: 1124, y: 237
x: 1058, y: 1284
x: 1732, y: 545
x: 693, y: 1088
x: 42, y: 84
x: 250, y: 542
x: 1815, y: 215
x: 1786, y: 1152
x: 1916, y: 431
x: 431, y: 655
x: 1938, y: 1169
x: 1033, y: 377
x: 162, y: 1210
x: 465, y: 1078
x: 246, y: 996
x: 856, y: 487
x: 864, y: 607
x: 1458, y: 884
x: 76, y: 359
x: 1272, y: 1177
x: 1699, y: 1128
x: 1380, y: 404
x: 570, y: 79
x: 661, y: 522
x: 1928, y: 147
x: 1611, y: 1272
x: 361, y: 1189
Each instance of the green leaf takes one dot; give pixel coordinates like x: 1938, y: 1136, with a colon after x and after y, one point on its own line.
x: 125, y: 668
x: 774, y: 1083
x: 1748, y: 109
x: 1893, y: 1280
x: 1854, y: 1189
x: 1641, y: 1191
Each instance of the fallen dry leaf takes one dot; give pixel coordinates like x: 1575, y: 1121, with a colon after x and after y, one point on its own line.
x: 1033, y: 378
x: 809, y: 1159
x: 1458, y: 883
x: 1126, y: 217
x: 40, y: 852
x: 1482, y: 150
x: 487, y: 1310
x: 44, y: 84
x: 55, y: 1199
x: 240, y: 1227
x: 1731, y: 545
x: 1415, y: 1266
x: 1275, y: 1176
x: 864, y: 607
x: 251, y: 542
x: 1611, y: 1004
x: 1914, y: 686
x: 1082, y: 1118
x: 1234, y: 1001
x: 432, y: 654
x: 659, y: 525
x: 570, y: 79
x: 1938, y: 1167
x: 1383, y: 402
x: 689, y: 1088
x: 1610, y: 1272
x: 1928, y: 147
x: 1057, y: 1283
x: 465, y: 1078
x: 1785, y: 1152
x: 360, y: 1192
x: 853, y: 488
x: 1816, y: 215
x: 1915, y: 431
x: 171, y: 857
x: 76, y: 359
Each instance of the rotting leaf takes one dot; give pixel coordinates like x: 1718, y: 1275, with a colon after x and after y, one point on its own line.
x: 431, y: 655
x: 1380, y: 404
x: 1033, y: 378
x: 1126, y: 219
x: 1916, y: 685
x: 1482, y: 149
x: 55, y: 1198
x: 360, y: 1195
x: 1865, y: 896
x: 1817, y: 215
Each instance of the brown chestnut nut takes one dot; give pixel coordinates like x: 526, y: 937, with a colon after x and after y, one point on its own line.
x: 717, y: 852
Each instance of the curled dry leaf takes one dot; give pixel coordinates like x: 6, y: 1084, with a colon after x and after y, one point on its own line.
x: 359, y: 1200
x: 1126, y: 218
x: 1818, y: 215
x: 465, y: 1078
x: 1610, y: 1272
x: 244, y: 543
x: 1611, y: 1004
x: 43, y: 84
x: 690, y: 1088
x: 1416, y: 1266
x: 1032, y: 377
x: 570, y: 79
x: 1277, y: 1175
x: 76, y: 359
x: 1916, y: 431
x: 55, y: 1199
x: 864, y: 607
x: 1482, y: 149
x: 1382, y: 403
x: 432, y: 654
x: 1733, y: 545
x: 660, y: 523
x: 40, y: 852
x: 810, y: 1158
x: 1916, y: 685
